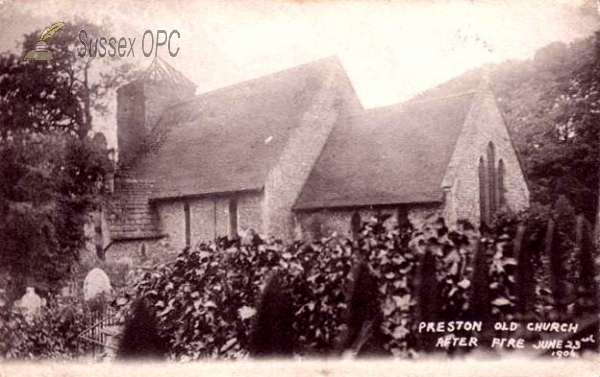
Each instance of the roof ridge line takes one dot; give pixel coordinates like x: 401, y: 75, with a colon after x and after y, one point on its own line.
x: 460, y: 94
x: 259, y: 78
x: 405, y: 104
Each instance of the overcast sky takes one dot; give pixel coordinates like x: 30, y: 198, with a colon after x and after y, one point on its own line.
x: 390, y: 49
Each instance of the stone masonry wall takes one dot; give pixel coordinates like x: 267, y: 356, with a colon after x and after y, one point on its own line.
x: 131, y: 252
x: 461, y: 182
x: 131, y: 129
x: 172, y: 221
x: 250, y: 209
x: 209, y: 217
x: 324, y: 222
x: 285, y: 181
x: 139, y: 107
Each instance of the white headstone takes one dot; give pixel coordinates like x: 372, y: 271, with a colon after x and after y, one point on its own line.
x: 31, y: 303
x: 2, y: 297
x: 96, y: 282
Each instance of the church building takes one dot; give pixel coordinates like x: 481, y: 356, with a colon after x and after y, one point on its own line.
x: 294, y: 155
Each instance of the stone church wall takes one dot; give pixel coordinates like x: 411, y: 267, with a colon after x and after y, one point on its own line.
x: 141, y: 252
x: 285, y: 181
x: 483, y: 125
x: 324, y: 222
x: 209, y: 217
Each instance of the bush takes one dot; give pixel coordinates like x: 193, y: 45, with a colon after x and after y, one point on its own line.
x: 50, y: 335
x: 205, y: 300
x: 272, y: 331
x: 140, y: 338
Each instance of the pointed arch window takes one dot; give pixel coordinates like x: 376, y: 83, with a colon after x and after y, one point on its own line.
x: 483, y: 192
x: 500, y: 184
x: 491, y: 184
x: 492, y: 179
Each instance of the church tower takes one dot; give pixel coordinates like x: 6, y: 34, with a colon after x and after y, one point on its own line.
x: 140, y: 104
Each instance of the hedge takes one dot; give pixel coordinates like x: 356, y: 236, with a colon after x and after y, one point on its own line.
x: 206, y: 301
x: 52, y: 334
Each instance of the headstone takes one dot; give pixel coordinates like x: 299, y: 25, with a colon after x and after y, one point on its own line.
x: 2, y: 298
x: 69, y: 290
x: 31, y: 303
x: 96, y: 282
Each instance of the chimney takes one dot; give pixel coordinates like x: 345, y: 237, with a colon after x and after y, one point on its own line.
x: 141, y: 103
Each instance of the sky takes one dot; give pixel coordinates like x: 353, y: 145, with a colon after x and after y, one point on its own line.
x: 391, y: 50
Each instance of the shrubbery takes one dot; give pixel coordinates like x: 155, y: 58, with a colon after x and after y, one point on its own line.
x: 362, y: 296
x: 206, y: 300
x: 52, y: 334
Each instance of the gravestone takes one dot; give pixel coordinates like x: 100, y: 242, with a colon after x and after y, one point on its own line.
x: 96, y: 282
x: 31, y: 303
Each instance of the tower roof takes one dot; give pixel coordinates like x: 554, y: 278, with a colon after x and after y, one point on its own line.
x: 160, y: 72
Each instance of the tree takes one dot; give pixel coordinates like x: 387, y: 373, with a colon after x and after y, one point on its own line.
x: 140, y: 339
x: 60, y: 95
x: 551, y: 105
x: 51, y: 173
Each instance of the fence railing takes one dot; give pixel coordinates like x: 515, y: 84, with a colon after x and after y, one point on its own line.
x: 559, y: 257
x: 97, y: 332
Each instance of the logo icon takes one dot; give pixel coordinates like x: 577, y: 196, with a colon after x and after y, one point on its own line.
x: 41, y: 53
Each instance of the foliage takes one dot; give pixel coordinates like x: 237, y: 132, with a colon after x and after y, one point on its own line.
x: 48, y: 184
x: 272, y: 331
x: 364, y: 295
x: 359, y: 296
x: 51, y: 172
x: 59, y: 95
x: 392, y: 261
x: 50, y: 335
x: 551, y: 106
x: 363, y: 315
x: 140, y: 338
x: 206, y: 300
x: 498, y: 243
x: 453, y: 251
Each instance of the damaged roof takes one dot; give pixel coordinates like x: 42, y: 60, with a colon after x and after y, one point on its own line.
x: 227, y: 140
x: 391, y: 155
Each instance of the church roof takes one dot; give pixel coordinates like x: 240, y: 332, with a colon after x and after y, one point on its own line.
x: 391, y: 155
x: 227, y: 140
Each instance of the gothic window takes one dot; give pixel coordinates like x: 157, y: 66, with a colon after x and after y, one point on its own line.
x: 491, y: 184
x: 233, y: 218
x: 188, y: 231
x: 500, y: 184
x: 355, y: 223
x: 492, y: 180
x: 483, y: 197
